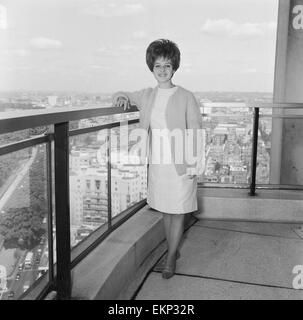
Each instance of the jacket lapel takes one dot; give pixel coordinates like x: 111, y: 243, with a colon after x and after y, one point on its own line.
x: 149, y: 108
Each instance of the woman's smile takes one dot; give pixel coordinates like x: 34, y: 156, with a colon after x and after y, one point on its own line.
x: 163, y: 70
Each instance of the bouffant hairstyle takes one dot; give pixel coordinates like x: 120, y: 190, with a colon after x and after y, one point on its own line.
x: 163, y: 48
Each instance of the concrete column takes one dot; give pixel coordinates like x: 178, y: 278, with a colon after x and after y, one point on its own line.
x: 287, y: 133
x: 292, y: 149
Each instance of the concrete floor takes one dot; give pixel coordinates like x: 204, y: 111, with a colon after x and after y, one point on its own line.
x: 232, y: 260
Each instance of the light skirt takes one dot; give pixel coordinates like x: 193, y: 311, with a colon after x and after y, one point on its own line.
x: 170, y: 193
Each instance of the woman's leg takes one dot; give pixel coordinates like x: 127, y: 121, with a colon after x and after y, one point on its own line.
x: 175, y: 236
x: 167, y: 226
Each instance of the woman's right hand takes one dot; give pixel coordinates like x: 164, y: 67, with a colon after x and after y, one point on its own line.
x: 121, y: 100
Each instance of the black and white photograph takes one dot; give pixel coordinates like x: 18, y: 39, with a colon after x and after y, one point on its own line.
x: 151, y: 153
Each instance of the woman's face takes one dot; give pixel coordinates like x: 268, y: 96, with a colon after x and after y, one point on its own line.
x: 163, y: 70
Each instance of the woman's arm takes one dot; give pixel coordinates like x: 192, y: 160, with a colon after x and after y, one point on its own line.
x: 125, y: 99
x: 195, y: 136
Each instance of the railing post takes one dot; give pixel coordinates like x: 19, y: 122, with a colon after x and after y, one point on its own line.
x: 63, y: 247
x: 109, y: 181
x: 254, y: 153
x: 50, y: 211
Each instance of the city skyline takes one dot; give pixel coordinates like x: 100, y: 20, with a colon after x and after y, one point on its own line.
x: 65, y: 45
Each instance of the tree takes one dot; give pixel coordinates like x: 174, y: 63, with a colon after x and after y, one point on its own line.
x: 217, y: 166
x: 22, y: 228
x: 10, y: 162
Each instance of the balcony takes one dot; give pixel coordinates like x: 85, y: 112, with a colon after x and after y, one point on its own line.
x: 245, y: 243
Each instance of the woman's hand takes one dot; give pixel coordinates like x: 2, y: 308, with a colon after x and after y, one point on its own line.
x: 121, y: 101
x: 191, y: 173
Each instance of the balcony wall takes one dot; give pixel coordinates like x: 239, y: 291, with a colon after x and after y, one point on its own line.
x: 236, y: 204
x: 116, y: 267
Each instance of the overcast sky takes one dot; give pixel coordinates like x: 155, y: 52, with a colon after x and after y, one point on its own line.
x: 99, y: 45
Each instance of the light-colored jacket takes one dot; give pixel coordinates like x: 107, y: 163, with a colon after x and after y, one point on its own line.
x: 182, y: 113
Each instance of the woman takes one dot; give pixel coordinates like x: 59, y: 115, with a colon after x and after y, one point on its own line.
x: 168, y: 111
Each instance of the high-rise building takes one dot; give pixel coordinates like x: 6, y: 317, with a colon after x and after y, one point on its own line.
x: 89, y: 188
x: 52, y: 100
x: 3, y: 17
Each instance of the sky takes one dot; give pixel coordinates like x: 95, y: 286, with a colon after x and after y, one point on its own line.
x: 99, y: 45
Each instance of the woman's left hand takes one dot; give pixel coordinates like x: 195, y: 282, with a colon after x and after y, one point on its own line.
x: 191, y: 176
x: 191, y: 173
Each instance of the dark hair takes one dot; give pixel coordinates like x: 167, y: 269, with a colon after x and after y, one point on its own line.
x: 162, y: 48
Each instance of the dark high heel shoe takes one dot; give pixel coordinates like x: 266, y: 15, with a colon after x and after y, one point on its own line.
x: 169, y: 271
x: 161, y: 265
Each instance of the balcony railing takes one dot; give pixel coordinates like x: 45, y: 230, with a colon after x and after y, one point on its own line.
x: 52, y: 151
x: 56, y: 246
x: 249, y: 164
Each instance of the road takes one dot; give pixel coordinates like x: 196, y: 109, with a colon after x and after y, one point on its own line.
x: 20, y: 175
x: 27, y: 275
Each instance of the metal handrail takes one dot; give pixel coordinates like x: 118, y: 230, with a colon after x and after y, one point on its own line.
x: 20, y: 120
x: 256, y: 104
